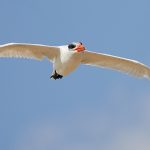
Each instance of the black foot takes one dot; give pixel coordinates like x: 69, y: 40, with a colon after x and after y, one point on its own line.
x: 56, y: 76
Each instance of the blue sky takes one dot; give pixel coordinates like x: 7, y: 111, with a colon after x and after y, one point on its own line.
x: 90, y: 109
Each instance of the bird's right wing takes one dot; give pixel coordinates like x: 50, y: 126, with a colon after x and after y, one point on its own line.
x: 33, y: 51
x: 117, y: 63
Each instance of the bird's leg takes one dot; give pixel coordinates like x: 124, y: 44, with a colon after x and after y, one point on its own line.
x: 56, y: 76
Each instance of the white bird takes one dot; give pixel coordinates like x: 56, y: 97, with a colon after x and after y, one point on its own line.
x: 67, y: 58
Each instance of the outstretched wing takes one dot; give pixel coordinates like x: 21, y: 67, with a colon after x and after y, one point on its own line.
x: 33, y: 51
x: 117, y: 63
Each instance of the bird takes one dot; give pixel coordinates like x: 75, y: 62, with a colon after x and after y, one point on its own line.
x: 67, y: 58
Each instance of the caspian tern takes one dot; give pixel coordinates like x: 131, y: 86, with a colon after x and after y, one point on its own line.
x: 67, y: 58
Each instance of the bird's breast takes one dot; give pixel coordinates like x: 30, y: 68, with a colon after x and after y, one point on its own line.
x: 67, y: 62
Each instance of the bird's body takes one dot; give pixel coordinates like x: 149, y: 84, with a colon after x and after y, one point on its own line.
x: 67, y: 61
x: 67, y: 58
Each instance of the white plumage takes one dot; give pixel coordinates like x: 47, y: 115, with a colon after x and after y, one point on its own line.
x: 128, y: 66
x: 67, y: 58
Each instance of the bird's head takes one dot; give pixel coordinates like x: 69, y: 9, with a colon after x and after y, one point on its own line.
x: 79, y: 47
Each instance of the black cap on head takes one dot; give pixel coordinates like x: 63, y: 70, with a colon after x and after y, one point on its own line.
x: 71, y: 46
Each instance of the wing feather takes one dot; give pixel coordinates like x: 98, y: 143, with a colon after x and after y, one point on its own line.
x: 128, y: 66
x: 33, y: 51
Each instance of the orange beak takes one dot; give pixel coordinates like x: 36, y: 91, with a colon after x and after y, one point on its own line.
x: 80, y: 48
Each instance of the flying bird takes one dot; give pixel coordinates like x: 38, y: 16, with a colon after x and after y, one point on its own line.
x: 67, y: 58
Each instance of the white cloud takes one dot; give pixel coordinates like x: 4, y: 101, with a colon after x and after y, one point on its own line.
x: 98, y: 130
x: 130, y: 140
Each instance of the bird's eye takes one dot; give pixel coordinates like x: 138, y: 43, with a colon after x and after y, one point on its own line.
x: 71, y: 46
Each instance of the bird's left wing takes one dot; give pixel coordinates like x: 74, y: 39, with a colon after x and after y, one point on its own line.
x: 34, y: 51
x: 117, y: 63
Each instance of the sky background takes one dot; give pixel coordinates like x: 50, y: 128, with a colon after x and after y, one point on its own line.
x: 92, y: 108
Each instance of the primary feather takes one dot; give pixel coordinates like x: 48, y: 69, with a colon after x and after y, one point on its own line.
x: 34, y: 51
x: 117, y: 63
